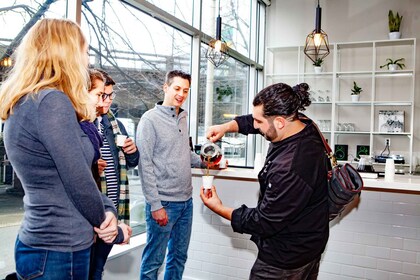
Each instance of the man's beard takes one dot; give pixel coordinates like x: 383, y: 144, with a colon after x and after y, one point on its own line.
x: 271, y: 133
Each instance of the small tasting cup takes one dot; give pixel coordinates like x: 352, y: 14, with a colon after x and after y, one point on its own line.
x: 389, y: 170
x: 121, y: 139
x: 207, y: 182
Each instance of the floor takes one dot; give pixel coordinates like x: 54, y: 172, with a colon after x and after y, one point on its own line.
x: 11, y: 213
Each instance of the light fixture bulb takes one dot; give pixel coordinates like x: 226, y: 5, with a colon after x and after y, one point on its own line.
x: 218, y: 46
x: 6, y: 62
x: 317, y: 39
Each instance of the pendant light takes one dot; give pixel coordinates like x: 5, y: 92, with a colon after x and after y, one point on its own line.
x: 316, y: 45
x: 217, y: 52
x: 6, y: 62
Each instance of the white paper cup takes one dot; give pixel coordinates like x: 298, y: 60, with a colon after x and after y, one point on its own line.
x: 389, y: 170
x: 121, y: 139
x: 207, y: 182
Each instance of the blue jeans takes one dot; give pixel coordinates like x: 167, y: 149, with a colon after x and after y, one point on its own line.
x: 175, y: 235
x: 33, y: 263
x: 99, y: 255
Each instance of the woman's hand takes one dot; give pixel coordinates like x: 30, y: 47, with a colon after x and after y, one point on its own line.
x: 101, y: 165
x: 108, y: 229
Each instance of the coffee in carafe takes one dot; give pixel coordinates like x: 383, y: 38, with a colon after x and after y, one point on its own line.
x: 365, y: 165
x: 210, y: 153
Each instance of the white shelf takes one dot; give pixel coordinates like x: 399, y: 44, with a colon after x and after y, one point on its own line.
x: 351, y: 132
x: 320, y: 102
x: 354, y: 74
x: 382, y: 90
x: 391, y: 133
x: 351, y: 103
x: 392, y: 103
x: 319, y: 75
x: 279, y: 75
x: 398, y: 73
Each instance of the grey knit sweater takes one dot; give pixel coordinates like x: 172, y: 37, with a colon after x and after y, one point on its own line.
x: 165, y: 156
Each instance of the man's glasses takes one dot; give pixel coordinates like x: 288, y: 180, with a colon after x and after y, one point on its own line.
x: 106, y: 95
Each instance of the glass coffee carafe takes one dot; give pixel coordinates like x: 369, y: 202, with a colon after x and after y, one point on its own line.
x: 210, y: 153
x: 365, y: 164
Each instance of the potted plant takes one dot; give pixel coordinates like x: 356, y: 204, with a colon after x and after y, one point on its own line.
x: 224, y: 93
x: 394, y: 23
x: 318, y: 65
x: 393, y: 65
x: 355, y: 92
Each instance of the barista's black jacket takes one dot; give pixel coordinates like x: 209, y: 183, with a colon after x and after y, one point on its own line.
x: 290, y: 223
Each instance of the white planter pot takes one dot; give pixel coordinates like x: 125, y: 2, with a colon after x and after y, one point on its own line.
x: 394, y: 35
x: 392, y: 67
x: 355, y: 97
x: 317, y: 69
x: 227, y: 98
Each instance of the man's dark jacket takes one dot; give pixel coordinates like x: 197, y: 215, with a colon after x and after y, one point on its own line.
x: 290, y: 223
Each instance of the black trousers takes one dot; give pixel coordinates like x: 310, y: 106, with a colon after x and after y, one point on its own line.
x: 264, y: 271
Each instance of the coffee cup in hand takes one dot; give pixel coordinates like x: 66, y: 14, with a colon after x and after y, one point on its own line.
x: 121, y: 140
x: 207, y: 182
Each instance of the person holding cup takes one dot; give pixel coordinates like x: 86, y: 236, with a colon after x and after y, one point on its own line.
x: 101, y: 249
x: 165, y: 174
x: 290, y: 224
x: 118, y: 154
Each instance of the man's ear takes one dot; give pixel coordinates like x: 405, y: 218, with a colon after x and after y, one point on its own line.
x: 165, y: 87
x: 279, y: 122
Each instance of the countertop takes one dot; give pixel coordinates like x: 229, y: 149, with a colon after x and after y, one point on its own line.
x: 401, y: 183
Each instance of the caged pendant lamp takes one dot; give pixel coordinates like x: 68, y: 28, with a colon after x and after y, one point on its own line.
x: 217, y: 51
x: 316, y: 45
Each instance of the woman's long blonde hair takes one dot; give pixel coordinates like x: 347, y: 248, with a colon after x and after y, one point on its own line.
x: 51, y: 55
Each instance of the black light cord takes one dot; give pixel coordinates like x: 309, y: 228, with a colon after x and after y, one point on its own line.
x: 227, y: 142
x: 386, y: 149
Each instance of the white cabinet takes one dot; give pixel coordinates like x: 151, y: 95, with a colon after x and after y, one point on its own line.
x: 386, y: 93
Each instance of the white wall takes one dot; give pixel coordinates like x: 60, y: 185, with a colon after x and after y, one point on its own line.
x: 290, y: 21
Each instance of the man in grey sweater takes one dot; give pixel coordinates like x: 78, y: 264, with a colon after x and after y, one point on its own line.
x: 165, y: 173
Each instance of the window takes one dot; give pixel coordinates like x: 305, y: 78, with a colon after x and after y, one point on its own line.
x: 136, y: 50
x: 236, y: 22
x: 182, y: 9
x: 223, y: 94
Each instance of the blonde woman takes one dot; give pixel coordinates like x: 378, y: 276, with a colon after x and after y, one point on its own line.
x: 42, y: 102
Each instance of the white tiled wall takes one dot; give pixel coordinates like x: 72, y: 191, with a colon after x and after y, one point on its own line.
x: 378, y: 239
x: 216, y: 252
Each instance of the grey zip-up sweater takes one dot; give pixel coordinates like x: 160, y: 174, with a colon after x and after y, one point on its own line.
x: 165, y: 156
